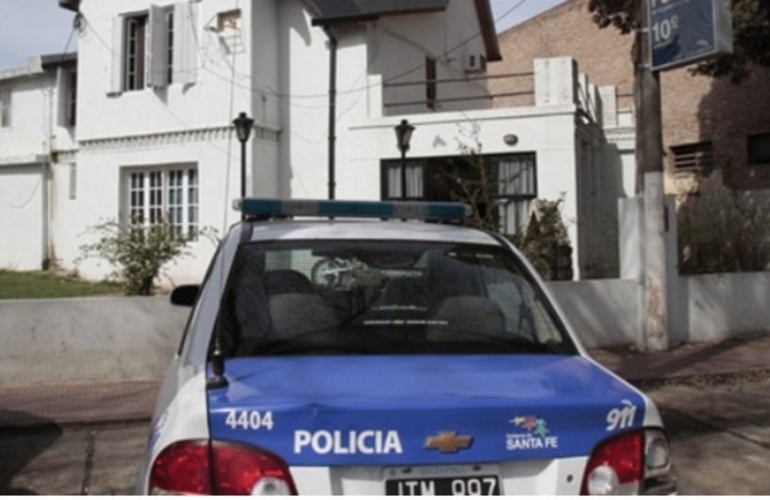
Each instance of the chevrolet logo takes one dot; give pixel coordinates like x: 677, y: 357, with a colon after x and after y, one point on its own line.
x: 448, y: 442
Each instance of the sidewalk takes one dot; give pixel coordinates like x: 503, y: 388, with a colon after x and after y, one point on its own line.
x: 70, y: 404
x: 746, y: 357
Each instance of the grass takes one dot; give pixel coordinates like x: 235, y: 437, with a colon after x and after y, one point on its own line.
x: 46, y: 285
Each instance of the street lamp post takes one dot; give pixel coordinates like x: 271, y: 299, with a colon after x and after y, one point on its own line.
x: 403, y: 136
x: 243, y: 125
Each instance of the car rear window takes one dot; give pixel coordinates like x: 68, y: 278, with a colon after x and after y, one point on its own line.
x: 383, y: 297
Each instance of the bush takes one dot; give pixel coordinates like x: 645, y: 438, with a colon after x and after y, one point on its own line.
x: 724, y: 231
x: 138, y: 252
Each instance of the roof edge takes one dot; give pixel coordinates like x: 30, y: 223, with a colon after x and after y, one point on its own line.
x: 488, y: 32
x: 73, y: 5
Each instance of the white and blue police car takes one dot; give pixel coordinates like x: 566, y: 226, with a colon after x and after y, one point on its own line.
x: 381, y: 348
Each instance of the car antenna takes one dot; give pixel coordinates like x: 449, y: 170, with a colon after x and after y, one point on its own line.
x: 218, y: 380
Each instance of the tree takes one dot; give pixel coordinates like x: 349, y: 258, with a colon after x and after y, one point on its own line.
x: 751, y: 34
x: 138, y: 252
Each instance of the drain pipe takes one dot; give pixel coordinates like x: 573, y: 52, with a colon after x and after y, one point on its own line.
x: 332, y: 108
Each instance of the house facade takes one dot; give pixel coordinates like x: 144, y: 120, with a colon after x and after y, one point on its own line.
x: 37, y: 126
x: 326, y: 82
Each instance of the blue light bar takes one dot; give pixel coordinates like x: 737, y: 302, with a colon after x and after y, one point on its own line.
x: 267, y: 207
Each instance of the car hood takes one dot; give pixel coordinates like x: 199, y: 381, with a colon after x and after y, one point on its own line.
x: 387, y: 410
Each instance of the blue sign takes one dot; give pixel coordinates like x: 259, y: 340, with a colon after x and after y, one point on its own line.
x: 686, y: 31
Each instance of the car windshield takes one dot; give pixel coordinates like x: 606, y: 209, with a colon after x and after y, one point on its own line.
x: 383, y: 297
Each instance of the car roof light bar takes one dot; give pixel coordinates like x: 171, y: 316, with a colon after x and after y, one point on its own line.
x: 438, y: 211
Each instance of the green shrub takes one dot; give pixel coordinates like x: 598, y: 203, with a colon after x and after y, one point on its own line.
x: 138, y: 252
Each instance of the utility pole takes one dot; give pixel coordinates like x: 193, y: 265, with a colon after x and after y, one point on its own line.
x: 649, y: 183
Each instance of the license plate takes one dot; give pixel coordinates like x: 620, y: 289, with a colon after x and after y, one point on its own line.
x: 465, y: 486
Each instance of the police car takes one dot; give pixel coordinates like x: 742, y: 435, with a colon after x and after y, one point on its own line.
x: 382, y: 348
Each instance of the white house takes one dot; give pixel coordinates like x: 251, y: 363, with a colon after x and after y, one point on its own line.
x: 326, y: 81
x: 37, y: 120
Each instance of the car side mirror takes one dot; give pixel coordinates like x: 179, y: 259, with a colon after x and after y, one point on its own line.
x: 185, y: 295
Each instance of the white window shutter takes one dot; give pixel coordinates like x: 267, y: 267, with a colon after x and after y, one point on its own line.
x: 157, y: 55
x: 118, y: 55
x: 185, y: 43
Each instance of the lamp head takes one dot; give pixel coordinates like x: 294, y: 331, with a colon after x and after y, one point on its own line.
x: 243, y: 125
x: 404, y: 135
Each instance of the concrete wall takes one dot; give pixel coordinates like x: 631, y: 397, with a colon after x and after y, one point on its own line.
x: 87, y: 339
x: 602, y: 312
x: 120, y: 338
x: 713, y: 307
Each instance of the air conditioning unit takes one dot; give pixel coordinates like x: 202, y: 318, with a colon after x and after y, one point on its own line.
x: 475, y: 63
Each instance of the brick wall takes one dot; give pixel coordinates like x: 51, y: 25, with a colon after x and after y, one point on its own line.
x: 695, y: 108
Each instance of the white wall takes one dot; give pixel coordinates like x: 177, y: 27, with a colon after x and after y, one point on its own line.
x: 37, y: 126
x: 36, y: 131
x: 21, y: 217
x: 393, y: 49
x: 714, y: 307
x: 450, y: 37
x: 31, y: 108
x: 602, y: 313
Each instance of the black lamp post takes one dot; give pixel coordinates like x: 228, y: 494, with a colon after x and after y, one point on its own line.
x: 403, y: 136
x: 243, y: 125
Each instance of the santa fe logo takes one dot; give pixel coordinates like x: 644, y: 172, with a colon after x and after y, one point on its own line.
x: 533, y: 435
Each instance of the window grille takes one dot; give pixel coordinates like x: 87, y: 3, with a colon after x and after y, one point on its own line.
x: 698, y: 156
x: 170, y: 194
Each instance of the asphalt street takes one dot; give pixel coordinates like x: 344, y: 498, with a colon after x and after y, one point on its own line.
x: 720, y: 435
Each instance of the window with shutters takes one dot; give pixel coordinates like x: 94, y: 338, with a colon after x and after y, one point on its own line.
x: 156, y: 48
